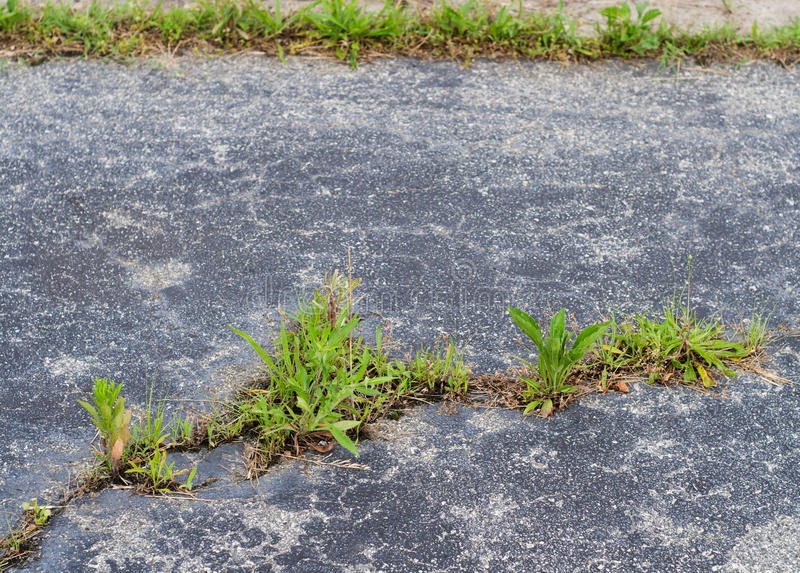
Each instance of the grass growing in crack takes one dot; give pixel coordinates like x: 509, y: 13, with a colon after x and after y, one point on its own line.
x: 40, y: 514
x: 160, y: 476
x: 132, y: 454
x: 676, y: 347
x: 20, y: 541
x: 351, y: 32
x: 324, y: 382
x: 556, y: 361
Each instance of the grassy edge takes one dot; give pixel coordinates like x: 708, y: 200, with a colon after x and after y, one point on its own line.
x: 348, y: 31
x: 360, y: 383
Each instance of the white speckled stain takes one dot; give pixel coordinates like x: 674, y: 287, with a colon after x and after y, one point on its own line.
x: 772, y: 547
x: 490, y: 420
x: 483, y: 525
x: 282, y: 530
x: 158, y: 276
x: 122, y: 219
x: 655, y: 524
x: 69, y: 366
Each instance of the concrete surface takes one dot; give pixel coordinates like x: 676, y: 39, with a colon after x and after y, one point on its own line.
x: 144, y: 208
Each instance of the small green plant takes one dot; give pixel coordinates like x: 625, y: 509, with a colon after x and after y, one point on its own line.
x: 160, y: 475
x: 345, y: 25
x: 623, y: 33
x: 676, y: 347
x: 756, y: 334
x: 149, y: 433
x: 183, y: 430
x: 13, y: 14
x: 322, y: 375
x: 111, y: 419
x: 12, y: 543
x: 40, y: 514
x: 440, y: 369
x: 557, y: 358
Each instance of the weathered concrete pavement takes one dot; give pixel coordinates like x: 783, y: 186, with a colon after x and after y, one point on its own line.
x: 144, y: 208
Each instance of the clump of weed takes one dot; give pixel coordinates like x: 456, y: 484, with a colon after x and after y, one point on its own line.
x: 556, y: 361
x: 625, y: 34
x: 132, y: 454
x: 324, y: 382
x: 678, y: 347
x: 345, y: 26
x: 675, y: 347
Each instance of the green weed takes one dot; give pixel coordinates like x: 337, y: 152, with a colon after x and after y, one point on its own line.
x: 14, y: 15
x: 756, y: 334
x: 321, y: 376
x: 324, y: 381
x: 40, y: 514
x: 438, y: 370
x: 149, y: 433
x: 111, y: 419
x: 624, y: 33
x: 345, y: 25
x: 183, y: 429
x: 557, y: 358
x: 160, y: 476
x: 676, y: 347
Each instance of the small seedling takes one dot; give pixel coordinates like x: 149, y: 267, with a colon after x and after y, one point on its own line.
x: 557, y: 358
x: 159, y: 474
x: 39, y: 513
x: 183, y: 430
x: 112, y: 420
x: 149, y: 433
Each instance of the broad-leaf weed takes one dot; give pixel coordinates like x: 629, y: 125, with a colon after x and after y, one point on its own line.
x: 557, y: 358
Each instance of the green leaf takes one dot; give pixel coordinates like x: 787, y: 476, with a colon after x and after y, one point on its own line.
x: 651, y: 15
x: 528, y: 325
x: 586, y: 339
x: 707, y: 381
x: 343, y: 440
x: 689, y: 374
x: 531, y: 407
x: 89, y: 408
x: 190, y: 478
x: 558, y: 327
x: 345, y: 425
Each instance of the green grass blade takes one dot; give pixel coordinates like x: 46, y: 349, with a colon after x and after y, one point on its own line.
x: 256, y: 346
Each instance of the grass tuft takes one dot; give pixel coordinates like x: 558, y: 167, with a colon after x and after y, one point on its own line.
x: 323, y: 382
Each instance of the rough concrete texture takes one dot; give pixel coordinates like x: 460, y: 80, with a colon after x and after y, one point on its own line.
x: 144, y: 208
